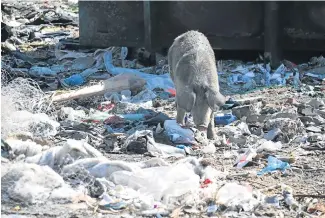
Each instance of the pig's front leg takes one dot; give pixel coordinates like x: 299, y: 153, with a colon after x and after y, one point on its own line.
x: 180, y: 117
x: 210, y: 132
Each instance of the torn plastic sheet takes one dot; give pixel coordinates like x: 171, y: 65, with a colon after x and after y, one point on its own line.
x: 153, y: 81
x: 101, y: 167
x: 160, y: 183
x: 61, y: 155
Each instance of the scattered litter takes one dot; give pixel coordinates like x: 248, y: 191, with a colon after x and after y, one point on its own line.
x: 148, y: 144
x: 80, y: 120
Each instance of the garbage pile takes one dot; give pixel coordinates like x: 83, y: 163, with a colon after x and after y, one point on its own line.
x: 89, y: 132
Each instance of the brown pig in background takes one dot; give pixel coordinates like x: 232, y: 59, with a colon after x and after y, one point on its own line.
x: 193, y: 70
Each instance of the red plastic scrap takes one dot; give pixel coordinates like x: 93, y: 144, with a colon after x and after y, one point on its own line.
x: 205, y: 183
x: 106, y: 107
x: 91, y: 121
x: 172, y: 92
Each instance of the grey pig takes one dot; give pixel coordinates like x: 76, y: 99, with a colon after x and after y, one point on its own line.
x: 193, y: 70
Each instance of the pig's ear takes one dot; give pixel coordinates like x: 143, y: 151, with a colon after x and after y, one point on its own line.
x: 185, y: 98
x: 215, y: 99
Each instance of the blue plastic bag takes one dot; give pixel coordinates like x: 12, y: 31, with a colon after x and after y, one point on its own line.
x: 274, y: 164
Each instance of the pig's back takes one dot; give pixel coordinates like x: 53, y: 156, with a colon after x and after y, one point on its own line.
x: 192, y: 48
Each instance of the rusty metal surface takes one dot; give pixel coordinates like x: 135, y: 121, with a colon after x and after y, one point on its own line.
x: 304, y: 19
x: 106, y: 23
x: 228, y: 25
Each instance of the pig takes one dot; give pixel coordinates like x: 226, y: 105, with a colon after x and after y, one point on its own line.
x: 193, y: 70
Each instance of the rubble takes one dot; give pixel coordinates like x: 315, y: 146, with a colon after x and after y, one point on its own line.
x: 88, y: 131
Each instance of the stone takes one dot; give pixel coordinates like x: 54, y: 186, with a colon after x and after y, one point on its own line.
x: 292, y: 101
x: 313, y: 129
x: 247, y: 101
x: 242, y: 111
x: 256, y: 118
x: 292, y: 116
x: 289, y: 127
x: 307, y: 110
x: 315, y: 137
x: 316, y: 103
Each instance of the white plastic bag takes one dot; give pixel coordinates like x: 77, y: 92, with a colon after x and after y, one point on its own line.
x: 161, y: 183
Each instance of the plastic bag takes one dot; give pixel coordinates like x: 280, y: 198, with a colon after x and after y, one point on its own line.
x: 177, y: 134
x: 38, y: 124
x: 274, y: 164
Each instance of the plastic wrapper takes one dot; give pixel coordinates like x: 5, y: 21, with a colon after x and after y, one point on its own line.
x: 245, y: 158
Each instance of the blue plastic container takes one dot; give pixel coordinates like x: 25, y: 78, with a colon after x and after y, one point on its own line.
x: 224, y: 119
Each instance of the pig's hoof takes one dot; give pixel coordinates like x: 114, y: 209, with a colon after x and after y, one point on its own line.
x: 211, y: 135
